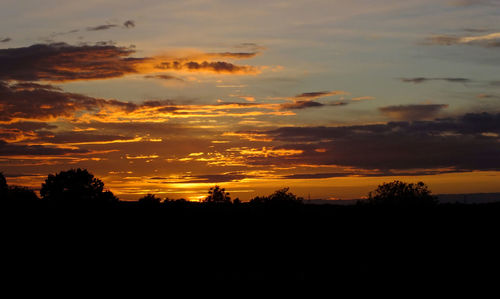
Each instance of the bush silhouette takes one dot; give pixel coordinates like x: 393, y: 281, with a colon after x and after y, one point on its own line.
x: 20, y: 194
x: 279, y: 197
x: 217, y: 195
x: 75, y: 186
x: 399, y: 193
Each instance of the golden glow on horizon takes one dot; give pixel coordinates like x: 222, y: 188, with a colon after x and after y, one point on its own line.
x: 131, y: 188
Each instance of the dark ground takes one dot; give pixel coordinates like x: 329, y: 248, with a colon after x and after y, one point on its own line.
x: 139, y: 245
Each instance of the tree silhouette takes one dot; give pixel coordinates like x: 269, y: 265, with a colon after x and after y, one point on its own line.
x: 3, y: 187
x: 75, y: 186
x: 399, y: 193
x: 149, y: 200
x: 279, y: 197
x: 217, y: 195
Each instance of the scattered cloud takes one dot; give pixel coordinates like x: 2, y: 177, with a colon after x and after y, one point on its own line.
x: 101, y: 27
x: 487, y: 96
x: 476, y: 30
x: 163, y: 77
x: 418, y: 80
x: 301, y: 105
x: 490, y: 40
x: 307, y: 100
x: 319, y: 94
x: 129, y: 24
x: 209, y: 66
x: 413, y: 112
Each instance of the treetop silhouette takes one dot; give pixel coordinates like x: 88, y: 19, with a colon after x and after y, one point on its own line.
x: 75, y: 186
x: 217, y: 195
x: 279, y: 197
x: 150, y: 200
x: 399, y: 193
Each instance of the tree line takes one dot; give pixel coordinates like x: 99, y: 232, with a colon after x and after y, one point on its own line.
x: 79, y: 186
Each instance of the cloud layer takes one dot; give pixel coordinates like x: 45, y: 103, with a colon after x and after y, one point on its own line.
x: 64, y: 62
x: 466, y: 143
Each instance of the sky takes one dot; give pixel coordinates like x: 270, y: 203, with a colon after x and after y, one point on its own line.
x: 328, y: 97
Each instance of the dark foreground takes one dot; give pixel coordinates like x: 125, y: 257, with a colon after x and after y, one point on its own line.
x: 133, y: 244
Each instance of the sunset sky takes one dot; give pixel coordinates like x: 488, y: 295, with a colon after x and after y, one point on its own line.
x: 327, y: 97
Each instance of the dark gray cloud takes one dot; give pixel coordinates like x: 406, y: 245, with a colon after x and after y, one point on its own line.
x: 163, y: 77
x: 8, y: 149
x: 307, y: 100
x: 418, y: 80
x: 301, y: 105
x: 313, y: 95
x: 476, y: 30
x: 327, y: 175
x: 413, y: 112
x: 28, y: 126
x: 214, y: 66
x: 308, y: 176
x: 101, y: 27
x: 5, y: 39
x: 41, y: 102
x: 234, y: 55
x: 129, y: 24
x: 63, y: 62
x: 23, y: 130
x: 216, y: 178
x: 81, y: 137
x: 207, y: 178
x: 465, y: 143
